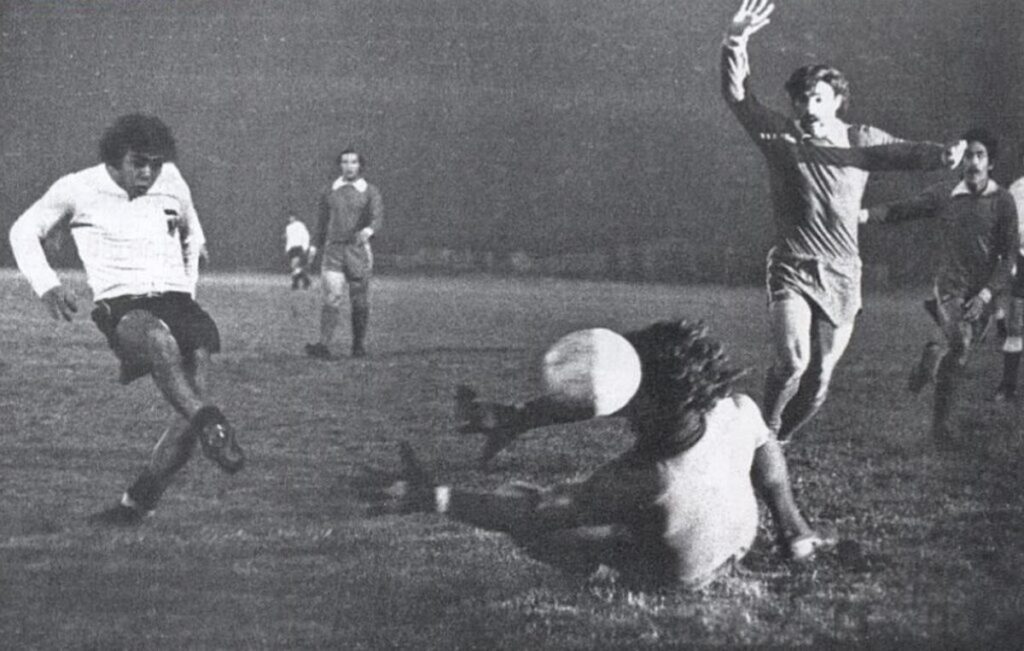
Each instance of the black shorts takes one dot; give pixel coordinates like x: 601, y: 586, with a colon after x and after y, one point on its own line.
x: 189, y: 324
x: 300, y: 253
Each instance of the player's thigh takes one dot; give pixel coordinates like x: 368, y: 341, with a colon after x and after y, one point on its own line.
x: 791, y: 317
x: 332, y: 283
x: 832, y: 341
x: 140, y: 336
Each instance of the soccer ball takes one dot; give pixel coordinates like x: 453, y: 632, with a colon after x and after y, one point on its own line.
x: 594, y: 368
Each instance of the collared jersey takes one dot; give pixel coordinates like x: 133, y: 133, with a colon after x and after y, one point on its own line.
x: 815, y: 196
x: 145, y: 245
x: 345, y: 209
x: 980, y: 236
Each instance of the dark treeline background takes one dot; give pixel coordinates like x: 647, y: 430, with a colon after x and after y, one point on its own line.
x: 545, y: 126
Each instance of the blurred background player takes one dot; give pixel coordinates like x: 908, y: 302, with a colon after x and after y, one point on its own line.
x: 679, y: 506
x: 139, y: 239
x: 296, y: 247
x: 1013, y: 308
x: 814, y: 267
x: 978, y: 223
x: 351, y: 212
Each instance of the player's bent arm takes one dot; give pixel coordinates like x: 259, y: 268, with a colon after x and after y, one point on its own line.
x: 757, y: 120
x: 376, y: 212
x: 27, y: 235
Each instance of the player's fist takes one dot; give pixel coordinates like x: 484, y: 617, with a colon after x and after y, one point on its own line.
x: 954, y: 154
x: 751, y: 17
x: 60, y: 302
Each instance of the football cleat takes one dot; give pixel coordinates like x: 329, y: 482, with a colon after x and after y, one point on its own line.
x: 217, y: 438
x: 803, y: 548
x: 119, y: 515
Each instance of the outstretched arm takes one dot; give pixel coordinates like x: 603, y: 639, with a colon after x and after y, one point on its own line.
x: 896, y: 156
x: 502, y: 423
x: 615, y: 494
x: 924, y: 206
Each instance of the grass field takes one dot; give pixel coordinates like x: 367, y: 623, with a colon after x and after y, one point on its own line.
x: 281, y: 556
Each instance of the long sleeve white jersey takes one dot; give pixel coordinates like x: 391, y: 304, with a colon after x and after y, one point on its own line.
x: 139, y: 246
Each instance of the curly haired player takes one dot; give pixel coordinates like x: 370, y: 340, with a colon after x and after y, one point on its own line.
x: 140, y: 240
x: 678, y: 506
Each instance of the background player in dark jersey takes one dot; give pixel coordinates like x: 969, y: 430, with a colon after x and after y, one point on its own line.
x: 814, y: 267
x: 678, y: 506
x: 980, y: 240
x: 351, y: 212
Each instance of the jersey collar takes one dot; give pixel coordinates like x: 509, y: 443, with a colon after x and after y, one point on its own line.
x: 359, y: 184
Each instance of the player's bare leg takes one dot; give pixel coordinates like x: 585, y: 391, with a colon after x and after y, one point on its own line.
x: 791, y: 319
x: 330, y: 313
x: 828, y: 344
x: 359, y: 300
x: 146, y: 341
x: 770, y: 476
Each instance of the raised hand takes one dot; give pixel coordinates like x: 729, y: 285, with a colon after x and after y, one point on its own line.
x: 60, y: 302
x: 751, y: 17
x: 975, y: 307
x: 954, y: 154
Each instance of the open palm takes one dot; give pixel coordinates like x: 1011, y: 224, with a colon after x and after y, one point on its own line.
x: 751, y: 17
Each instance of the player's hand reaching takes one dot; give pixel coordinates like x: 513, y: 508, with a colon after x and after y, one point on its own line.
x: 60, y: 302
x: 975, y: 306
x: 954, y: 154
x: 410, y: 490
x: 501, y: 423
x: 751, y: 17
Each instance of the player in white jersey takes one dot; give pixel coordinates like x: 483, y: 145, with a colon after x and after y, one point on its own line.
x: 679, y: 506
x: 296, y: 247
x: 139, y: 239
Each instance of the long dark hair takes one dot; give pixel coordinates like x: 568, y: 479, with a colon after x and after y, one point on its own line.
x: 685, y: 372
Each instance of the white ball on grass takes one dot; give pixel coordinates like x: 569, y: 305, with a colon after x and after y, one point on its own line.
x: 594, y: 367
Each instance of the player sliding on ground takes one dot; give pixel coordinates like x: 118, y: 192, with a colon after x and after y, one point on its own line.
x: 678, y: 506
x: 980, y: 241
x: 139, y: 239
x: 814, y: 267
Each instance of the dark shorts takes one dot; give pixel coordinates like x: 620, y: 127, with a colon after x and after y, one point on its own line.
x: 353, y: 260
x: 189, y: 324
x: 298, y: 252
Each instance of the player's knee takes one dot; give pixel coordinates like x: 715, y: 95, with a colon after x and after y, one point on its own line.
x: 790, y: 366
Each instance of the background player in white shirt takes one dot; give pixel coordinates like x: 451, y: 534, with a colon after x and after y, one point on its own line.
x: 677, y: 507
x: 139, y: 239
x: 296, y: 247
